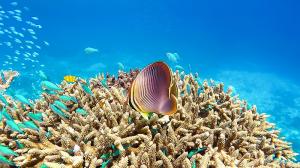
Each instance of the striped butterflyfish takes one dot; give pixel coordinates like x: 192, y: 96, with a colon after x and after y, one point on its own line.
x: 153, y: 90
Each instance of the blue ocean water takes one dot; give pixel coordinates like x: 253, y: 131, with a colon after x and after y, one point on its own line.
x: 250, y: 45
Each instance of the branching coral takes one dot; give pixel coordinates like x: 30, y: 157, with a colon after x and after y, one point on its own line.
x: 6, y: 78
x: 211, y: 128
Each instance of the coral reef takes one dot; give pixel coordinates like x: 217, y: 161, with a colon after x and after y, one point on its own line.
x: 90, y: 124
x: 123, y: 80
x: 6, y: 78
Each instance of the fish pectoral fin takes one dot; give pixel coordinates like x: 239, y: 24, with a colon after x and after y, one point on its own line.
x: 145, y: 115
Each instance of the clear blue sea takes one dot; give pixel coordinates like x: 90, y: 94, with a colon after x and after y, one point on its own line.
x: 250, y: 45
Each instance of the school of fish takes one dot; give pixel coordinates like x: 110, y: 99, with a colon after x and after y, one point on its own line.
x: 20, y: 45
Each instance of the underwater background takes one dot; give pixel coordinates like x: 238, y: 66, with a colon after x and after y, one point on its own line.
x: 252, y: 46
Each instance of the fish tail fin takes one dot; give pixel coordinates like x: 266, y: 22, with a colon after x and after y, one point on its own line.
x: 169, y: 107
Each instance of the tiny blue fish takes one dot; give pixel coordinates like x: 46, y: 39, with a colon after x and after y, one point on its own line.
x: 6, y: 161
x: 42, y: 75
x: 13, y: 126
x: 50, y: 92
x: 35, y: 116
x: 178, y: 67
x: 5, y: 114
x: 2, y: 98
x: 21, y: 125
x: 60, y: 105
x: 198, y: 80
x: 23, y: 100
x: 249, y: 106
x: 121, y: 66
x: 68, y: 98
x: 104, y: 83
x: 1, y: 116
x: 50, y: 86
x: 81, y: 111
x: 31, y: 125
x: 58, y: 111
x: 86, y: 89
x: 65, y: 98
x: 4, y: 150
x: 19, y: 144
x: 48, y: 134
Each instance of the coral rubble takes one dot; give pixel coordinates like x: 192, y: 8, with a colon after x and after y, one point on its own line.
x: 72, y: 128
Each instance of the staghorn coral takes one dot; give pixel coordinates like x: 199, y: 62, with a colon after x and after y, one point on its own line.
x: 6, y: 78
x: 211, y: 128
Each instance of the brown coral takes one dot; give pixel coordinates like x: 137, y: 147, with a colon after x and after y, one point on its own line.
x: 9, y: 76
x: 210, y: 128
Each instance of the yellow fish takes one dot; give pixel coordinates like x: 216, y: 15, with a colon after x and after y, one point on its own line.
x: 70, y: 78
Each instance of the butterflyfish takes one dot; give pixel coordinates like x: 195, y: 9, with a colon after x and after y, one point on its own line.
x: 153, y: 90
x: 70, y: 78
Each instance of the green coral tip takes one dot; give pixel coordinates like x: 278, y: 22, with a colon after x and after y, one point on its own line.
x: 126, y: 146
x: 43, y: 166
x: 104, y: 164
x: 154, y: 130
x: 105, y: 156
x: 113, y: 147
x: 48, y: 134
x: 191, y: 153
x: 19, y: 144
x: 165, y: 151
x: 194, y: 151
x: 193, y: 164
x: 129, y: 120
x: 116, y: 152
